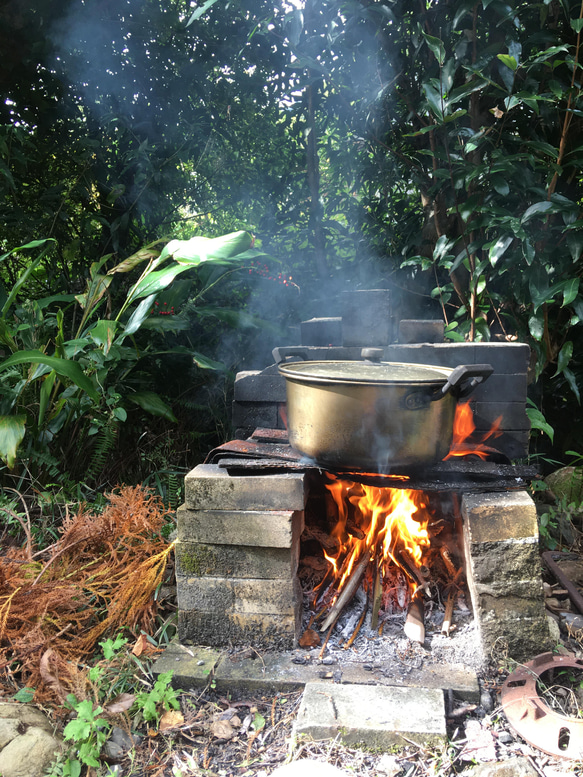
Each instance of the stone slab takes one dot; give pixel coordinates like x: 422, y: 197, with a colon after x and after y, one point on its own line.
x: 267, y: 528
x: 372, y: 716
x: 208, y: 487
x: 262, y: 597
x: 195, y: 559
x: 273, y: 672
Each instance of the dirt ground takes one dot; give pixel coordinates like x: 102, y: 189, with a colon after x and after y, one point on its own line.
x: 250, y: 736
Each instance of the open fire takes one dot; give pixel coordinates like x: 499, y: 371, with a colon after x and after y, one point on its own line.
x: 392, y: 543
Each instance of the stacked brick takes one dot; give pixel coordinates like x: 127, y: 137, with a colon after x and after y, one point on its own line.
x: 237, y: 555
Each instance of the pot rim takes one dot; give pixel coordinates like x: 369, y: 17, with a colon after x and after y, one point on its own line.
x: 359, y: 373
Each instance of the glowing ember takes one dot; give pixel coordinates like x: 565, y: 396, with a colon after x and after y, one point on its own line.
x: 463, y: 429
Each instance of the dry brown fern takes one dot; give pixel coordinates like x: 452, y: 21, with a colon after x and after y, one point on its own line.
x: 98, y: 578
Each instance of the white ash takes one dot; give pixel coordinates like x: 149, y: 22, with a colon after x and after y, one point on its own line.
x: 392, y: 648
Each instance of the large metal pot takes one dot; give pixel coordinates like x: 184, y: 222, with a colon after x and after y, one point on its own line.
x: 374, y: 416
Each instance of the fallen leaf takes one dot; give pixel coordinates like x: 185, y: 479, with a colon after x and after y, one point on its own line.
x: 309, y: 638
x: 48, y: 677
x: 222, y: 729
x: 171, y: 719
x: 144, y: 647
x: 121, y: 703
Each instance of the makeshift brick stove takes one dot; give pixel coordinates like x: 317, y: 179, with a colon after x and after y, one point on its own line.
x: 246, y: 509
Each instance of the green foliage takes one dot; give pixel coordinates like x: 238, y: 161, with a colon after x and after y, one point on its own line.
x: 160, y: 698
x: 80, y: 392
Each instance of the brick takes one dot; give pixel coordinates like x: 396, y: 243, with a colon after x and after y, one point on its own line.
x: 516, y: 627
x: 194, y: 559
x: 259, y: 387
x: 275, y: 632
x: 262, y: 597
x: 376, y: 717
x: 499, y: 516
x: 268, y: 528
x: 208, y: 487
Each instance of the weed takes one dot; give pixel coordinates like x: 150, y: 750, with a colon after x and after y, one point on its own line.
x: 162, y: 697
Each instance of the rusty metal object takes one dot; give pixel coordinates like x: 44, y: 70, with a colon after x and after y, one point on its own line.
x: 571, y: 588
x: 558, y: 735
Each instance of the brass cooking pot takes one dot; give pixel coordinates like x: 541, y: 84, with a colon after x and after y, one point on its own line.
x: 374, y: 416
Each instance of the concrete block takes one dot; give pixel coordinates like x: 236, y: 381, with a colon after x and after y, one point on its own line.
x: 322, y: 331
x: 513, y: 415
x: 241, y: 595
x: 273, y: 632
x: 195, y: 559
x: 250, y: 415
x: 499, y: 516
x: 512, y: 565
x: 372, y: 716
x: 258, y: 386
x: 501, y: 387
x: 267, y: 528
x: 279, y: 672
x: 208, y: 487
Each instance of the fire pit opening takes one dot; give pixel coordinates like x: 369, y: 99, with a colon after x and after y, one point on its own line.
x: 375, y: 558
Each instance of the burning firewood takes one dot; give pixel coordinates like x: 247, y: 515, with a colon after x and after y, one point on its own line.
x: 415, y: 624
x: 346, y: 594
x: 446, y: 626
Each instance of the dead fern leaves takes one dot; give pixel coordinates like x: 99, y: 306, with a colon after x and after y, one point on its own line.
x: 98, y: 578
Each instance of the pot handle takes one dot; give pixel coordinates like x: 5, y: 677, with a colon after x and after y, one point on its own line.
x: 474, y: 373
x: 291, y: 350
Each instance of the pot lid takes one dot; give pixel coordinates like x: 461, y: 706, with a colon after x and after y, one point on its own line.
x: 365, y: 372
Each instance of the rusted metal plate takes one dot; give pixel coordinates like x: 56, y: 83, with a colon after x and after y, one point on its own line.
x: 252, y: 449
x: 558, y: 735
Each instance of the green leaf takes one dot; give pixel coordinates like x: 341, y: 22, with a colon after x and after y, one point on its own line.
x: 576, y: 24
x: 572, y: 381
x: 103, y: 333
x: 570, y: 291
x: 154, y: 282
x: 200, y: 11
x: 24, y: 695
x: 154, y: 404
x: 534, y: 210
x: 499, y: 248
x: 509, y: 61
x: 436, y: 46
x: 64, y: 367
x: 139, y: 315
x: 203, y: 249
x: 434, y: 99
x: 45, y: 395
x: 12, y: 430
x: 538, y: 421
x: 564, y: 357
x: 258, y: 722
x: 536, y: 327
x: 205, y: 363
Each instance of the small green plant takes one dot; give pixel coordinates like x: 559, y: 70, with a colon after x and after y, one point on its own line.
x: 161, y: 698
x: 88, y: 732
x: 561, y: 526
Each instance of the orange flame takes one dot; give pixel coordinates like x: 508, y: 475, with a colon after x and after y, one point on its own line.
x: 373, y: 520
x: 463, y: 428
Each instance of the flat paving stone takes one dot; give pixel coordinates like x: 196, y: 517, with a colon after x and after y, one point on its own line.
x: 372, y: 716
x: 279, y: 671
